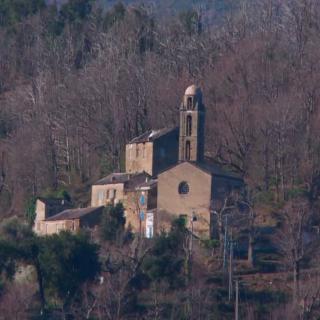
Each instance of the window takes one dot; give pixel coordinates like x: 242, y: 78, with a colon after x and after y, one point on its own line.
x: 108, y: 194
x: 60, y: 227
x: 100, y: 197
x: 189, y: 126
x: 149, y: 232
x: 130, y: 151
x: 144, y: 151
x: 149, y: 225
x: 111, y: 194
x: 183, y: 188
x: 137, y: 151
x: 189, y: 103
x: 188, y: 150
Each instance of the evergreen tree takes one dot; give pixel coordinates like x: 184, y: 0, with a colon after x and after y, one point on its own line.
x: 113, y: 221
x: 12, y: 11
x: 167, y: 258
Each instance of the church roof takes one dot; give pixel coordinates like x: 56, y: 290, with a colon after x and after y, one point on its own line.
x: 209, y: 167
x: 192, y: 90
x: 71, y: 214
x: 113, y: 178
x: 149, y: 184
x: 130, y: 180
x: 136, y: 180
x: 216, y: 169
x: 52, y: 201
x: 152, y: 135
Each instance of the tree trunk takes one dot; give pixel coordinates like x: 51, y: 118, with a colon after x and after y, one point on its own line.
x: 296, y: 274
x: 40, y: 284
x: 250, y: 249
x: 221, y: 234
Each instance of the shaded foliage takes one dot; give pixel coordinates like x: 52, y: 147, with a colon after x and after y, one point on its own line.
x: 12, y: 11
x: 67, y: 262
x: 166, y: 259
x: 112, y: 222
x: 62, y: 262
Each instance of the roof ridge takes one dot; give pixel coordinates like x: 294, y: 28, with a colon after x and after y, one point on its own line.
x: 152, y: 134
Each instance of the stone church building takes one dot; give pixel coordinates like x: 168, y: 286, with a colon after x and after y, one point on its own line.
x: 167, y: 176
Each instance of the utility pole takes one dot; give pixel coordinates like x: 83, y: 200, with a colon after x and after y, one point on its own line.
x: 191, y: 236
x: 225, y: 244
x: 230, y: 269
x: 237, y: 301
x: 193, y: 219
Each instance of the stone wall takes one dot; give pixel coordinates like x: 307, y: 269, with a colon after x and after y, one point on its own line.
x: 165, y: 152
x: 172, y: 204
x: 102, y: 195
x: 52, y: 227
x: 139, y: 157
x: 134, y: 207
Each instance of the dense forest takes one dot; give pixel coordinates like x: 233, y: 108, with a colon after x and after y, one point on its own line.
x: 80, y: 78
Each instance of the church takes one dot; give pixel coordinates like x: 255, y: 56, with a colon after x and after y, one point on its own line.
x: 167, y: 176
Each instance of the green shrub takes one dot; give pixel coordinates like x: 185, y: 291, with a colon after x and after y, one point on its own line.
x: 113, y: 221
x: 30, y: 210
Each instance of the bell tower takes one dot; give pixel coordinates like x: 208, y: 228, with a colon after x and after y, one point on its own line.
x: 192, y: 117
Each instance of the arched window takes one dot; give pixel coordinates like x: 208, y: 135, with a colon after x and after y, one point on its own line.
x: 189, y: 103
x: 189, y: 126
x: 188, y: 150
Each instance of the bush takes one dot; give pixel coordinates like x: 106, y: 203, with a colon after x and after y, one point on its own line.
x: 30, y: 210
x: 167, y: 257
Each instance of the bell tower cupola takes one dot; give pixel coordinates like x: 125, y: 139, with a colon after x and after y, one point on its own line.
x: 192, y: 117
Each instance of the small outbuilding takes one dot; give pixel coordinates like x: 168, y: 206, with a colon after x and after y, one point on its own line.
x: 72, y: 220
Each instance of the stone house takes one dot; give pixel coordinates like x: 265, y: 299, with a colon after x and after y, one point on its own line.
x: 48, y: 207
x: 140, y: 205
x: 113, y: 188
x: 109, y: 190
x: 72, y: 220
x: 136, y: 191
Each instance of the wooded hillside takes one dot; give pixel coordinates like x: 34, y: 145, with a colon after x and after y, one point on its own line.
x: 79, y: 81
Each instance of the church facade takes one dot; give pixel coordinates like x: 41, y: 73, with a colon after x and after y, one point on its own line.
x: 194, y: 186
